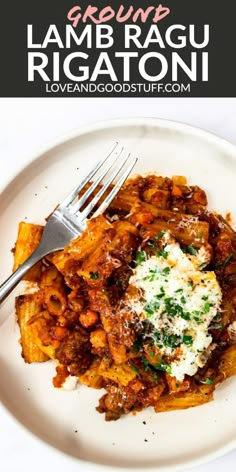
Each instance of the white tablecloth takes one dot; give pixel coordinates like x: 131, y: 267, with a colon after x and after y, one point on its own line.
x: 28, y: 124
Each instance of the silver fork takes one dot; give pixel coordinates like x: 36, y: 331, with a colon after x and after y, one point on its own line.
x: 68, y: 220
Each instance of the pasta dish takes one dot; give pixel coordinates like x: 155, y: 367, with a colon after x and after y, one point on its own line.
x: 142, y: 304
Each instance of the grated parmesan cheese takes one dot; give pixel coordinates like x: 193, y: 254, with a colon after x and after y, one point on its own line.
x: 180, y: 301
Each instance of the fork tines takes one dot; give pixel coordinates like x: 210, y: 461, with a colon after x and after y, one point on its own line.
x: 112, y: 165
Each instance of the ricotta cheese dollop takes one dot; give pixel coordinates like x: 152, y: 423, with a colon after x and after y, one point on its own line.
x: 180, y: 301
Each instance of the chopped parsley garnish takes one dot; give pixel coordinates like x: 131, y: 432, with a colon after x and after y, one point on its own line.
x: 162, y: 253
x: 190, y: 283
x: 188, y: 340
x: 216, y: 326
x: 209, y: 381
x: 166, y: 339
x: 141, y: 257
x: 151, y: 353
x: 225, y: 262
x: 190, y: 249
x: 151, y: 307
x: 228, y: 259
x: 166, y: 271
x: 156, y: 336
x: 162, y: 365
x: 206, y: 307
x: 94, y: 275
x: 170, y: 306
x: 173, y: 308
x: 161, y: 294
x: 153, y: 275
x: 183, y: 300
x: 205, y: 297
x: 196, y: 313
x: 145, y: 363
x: 197, y: 316
x: 217, y: 317
x: 159, y: 235
x: 185, y: 315
x: 135, y: 369
x: 151, y: 244
x: 137, y: 345
x: 171, y: 340
x: 202, y: 265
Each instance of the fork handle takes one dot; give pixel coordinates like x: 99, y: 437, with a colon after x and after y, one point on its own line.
x: 14, y: 278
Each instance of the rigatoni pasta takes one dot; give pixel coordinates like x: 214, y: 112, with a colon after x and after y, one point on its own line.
x: 142, y: 304
x: 28, y: 239
x: 26, y: 309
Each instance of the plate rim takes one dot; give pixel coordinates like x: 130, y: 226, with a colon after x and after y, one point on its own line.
x: 112, y: 123
x: 32, y: 157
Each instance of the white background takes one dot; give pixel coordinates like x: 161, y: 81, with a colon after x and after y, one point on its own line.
x: 26, y: 125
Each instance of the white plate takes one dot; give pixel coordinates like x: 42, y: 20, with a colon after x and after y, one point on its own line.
x: 174, y: 440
